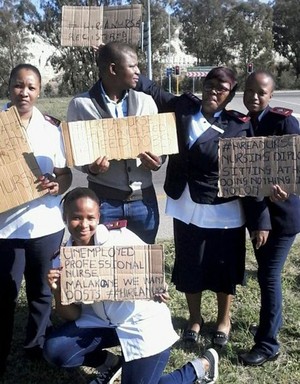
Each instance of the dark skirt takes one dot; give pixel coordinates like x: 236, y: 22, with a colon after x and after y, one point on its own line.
x: 208, y: 259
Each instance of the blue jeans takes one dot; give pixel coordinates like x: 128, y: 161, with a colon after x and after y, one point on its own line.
x: 270, y: 259
x: 70, y: 346
x: 142, y: 216
x: 31, y: 257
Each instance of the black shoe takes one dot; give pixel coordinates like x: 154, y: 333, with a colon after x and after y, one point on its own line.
x: 192, y: 336
x: 34, y: 353
x: 256, y: 358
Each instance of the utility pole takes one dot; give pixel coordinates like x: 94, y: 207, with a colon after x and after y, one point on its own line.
x: 170, y: 74
x: 149, y: 50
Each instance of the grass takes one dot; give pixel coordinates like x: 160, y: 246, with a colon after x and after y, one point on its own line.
x: 54, y: 106
x: 244, y: 312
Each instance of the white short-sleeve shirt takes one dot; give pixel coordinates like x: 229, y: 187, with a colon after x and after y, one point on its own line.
x: 42, y: 216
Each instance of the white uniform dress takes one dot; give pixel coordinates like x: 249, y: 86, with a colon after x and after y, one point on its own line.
x: 41, y: 216
x: 144, y: 327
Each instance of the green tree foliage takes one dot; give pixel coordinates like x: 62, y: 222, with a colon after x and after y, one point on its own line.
x: 76, y: 64
x: 286, y: 30
x: 250, y: 34
x: 159, y: 36
x: 15, y: 19
x: 204, y: 29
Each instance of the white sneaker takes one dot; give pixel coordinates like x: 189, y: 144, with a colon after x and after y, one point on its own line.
x: 211, y: 376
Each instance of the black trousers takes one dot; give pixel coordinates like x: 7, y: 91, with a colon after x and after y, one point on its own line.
x: 31, y: 258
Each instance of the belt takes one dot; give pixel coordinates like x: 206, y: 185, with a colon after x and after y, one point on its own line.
x: 104, y: 192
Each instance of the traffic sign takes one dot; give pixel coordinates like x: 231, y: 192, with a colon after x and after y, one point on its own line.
x: 201, y: 71
x: 169, y: 71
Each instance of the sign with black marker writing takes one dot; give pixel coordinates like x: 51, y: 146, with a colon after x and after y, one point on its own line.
x: 84, y: 26
x: 117, y: 273
x: 250, y: 166
x: 19, y: 169
x: 119, y: 138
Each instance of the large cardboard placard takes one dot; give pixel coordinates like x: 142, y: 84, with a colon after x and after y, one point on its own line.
x: 119, y: 138
x: 117, y: 273
x: 250, y: 166
x: 90, y: 26
x: 18, y: 167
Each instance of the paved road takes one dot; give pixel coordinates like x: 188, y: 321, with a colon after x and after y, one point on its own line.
x: 283, y: 99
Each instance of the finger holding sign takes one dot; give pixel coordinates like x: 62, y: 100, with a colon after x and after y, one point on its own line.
x: 54, y: 278
x: 278, y: 194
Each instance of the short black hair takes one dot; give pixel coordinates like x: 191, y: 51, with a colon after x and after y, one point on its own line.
x: 75, y: 194
x: 19, y: 67
x: 224, y: 75
x: 265, y: 73
x: 112, y: 52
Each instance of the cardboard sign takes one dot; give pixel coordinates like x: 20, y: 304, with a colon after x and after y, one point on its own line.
x: 18, y: 167
x: 117, y: 273
x: 90, y: 26
x: 250, y: 166
x: 119, y: 138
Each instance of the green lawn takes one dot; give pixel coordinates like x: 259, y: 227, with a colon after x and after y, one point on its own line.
x: 286, y: 370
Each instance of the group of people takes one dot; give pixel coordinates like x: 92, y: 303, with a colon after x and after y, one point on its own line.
x: 209, y: 231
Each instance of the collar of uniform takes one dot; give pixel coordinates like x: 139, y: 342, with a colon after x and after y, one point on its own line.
x: 216, y: 114
x: 260, y: 116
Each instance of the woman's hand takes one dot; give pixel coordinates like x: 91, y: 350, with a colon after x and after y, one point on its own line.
x: 261, y: 238
x: 278, y: 194
x: 54, y: 279
x: 56, y: 183
x: 162, y: 297
x: 49, y: 182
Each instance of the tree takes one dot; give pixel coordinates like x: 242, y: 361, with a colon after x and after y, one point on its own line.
x: 15, y: 16
x: 204, y: 29
x: 76, y: 64
x: 286, y: 31
x: 159, y: 36
x: 249, y: 30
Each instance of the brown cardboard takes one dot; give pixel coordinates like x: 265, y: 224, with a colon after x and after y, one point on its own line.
x: 250, y: 166
x: 119, y: 138
x: 117, y: 273
x: 90, y: 26
x: 18, y: 167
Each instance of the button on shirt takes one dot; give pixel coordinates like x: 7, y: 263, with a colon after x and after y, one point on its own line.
x: 226, y: 215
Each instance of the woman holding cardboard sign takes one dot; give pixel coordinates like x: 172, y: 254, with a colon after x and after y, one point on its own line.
x: 143, y: 328
x: 209, y: 231
x: 30, y: 233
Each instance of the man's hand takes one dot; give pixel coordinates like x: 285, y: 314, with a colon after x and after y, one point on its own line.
x: 101, y: 165
x: 150, y: 161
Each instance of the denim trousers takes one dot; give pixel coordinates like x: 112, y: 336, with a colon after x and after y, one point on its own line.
x: 142, y: 216
x: 31, y: 258
x: 270, y: 259
x: 69, y: 346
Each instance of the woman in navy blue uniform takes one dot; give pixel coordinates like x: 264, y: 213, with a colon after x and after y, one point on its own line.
x: 285, y: 219
x: 209, y: 231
